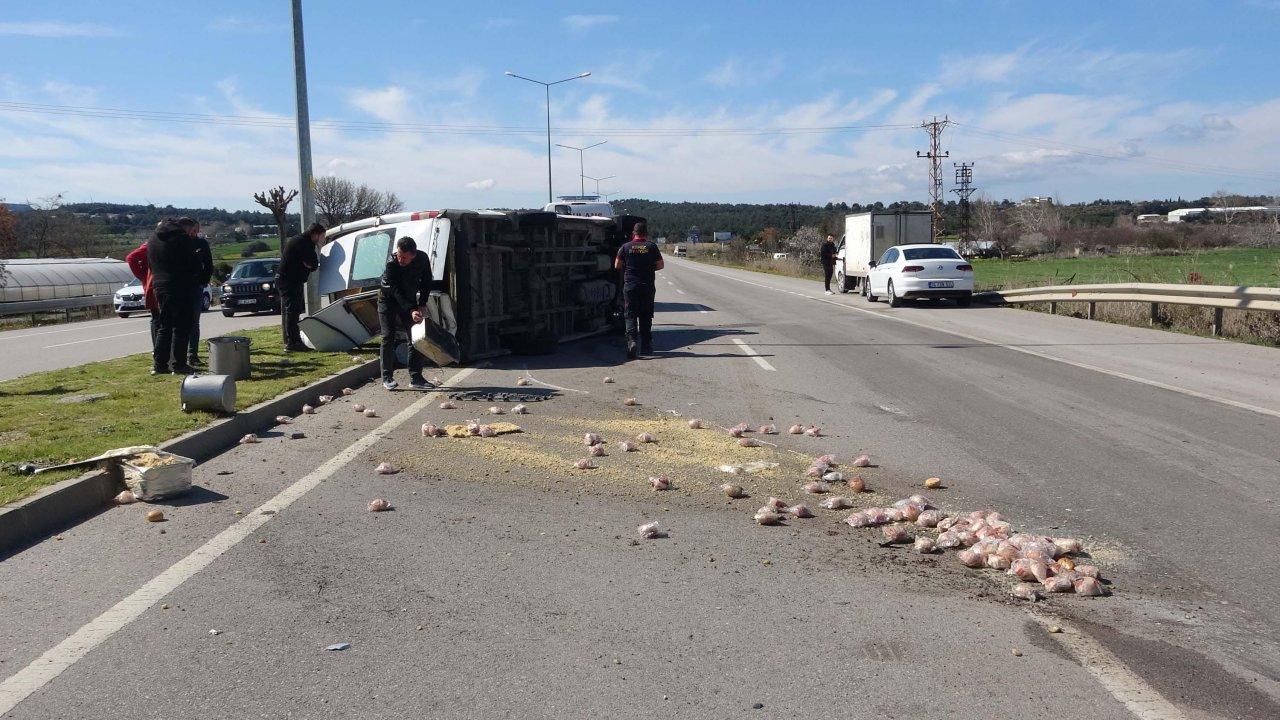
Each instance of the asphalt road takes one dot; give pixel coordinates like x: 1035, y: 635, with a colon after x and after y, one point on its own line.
x: 506, y: 584
x: 58, y: 346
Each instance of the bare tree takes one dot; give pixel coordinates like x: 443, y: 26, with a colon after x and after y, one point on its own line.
x: 339, y: 200
x: 805, y: 244
x: 277, y: 201
x: 1043, y: 218
x: 993, y: 225
x: 1228, y: 204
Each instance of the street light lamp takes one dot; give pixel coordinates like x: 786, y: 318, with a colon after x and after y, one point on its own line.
x: 582, y: 179
x: 598, y: 180
x: 547, y: 87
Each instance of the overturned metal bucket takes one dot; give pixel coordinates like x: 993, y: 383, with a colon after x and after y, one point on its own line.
x: 210, y: 393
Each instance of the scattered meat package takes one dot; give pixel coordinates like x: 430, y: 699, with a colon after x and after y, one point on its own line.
x: 158, y: 480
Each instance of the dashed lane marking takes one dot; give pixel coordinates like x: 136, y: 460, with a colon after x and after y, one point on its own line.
x: 746, y: 349
x: 108, y: 337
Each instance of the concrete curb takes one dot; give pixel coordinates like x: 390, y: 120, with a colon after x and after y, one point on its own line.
x: 71, y: 501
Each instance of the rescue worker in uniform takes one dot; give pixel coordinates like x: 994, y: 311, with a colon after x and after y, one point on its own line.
x: 638, y: 260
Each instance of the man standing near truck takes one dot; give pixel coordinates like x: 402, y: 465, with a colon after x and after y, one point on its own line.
x: 828, y: 261
x: 298, y: 259
x: 638, y: 260
x: 402, y: 297
x: 205, y: 255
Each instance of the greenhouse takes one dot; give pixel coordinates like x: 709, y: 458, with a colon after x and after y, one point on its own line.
x: 37, y: 285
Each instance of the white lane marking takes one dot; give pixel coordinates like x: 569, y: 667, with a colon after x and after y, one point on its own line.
x: 746, y: 349
x: 703, y: 309
x: 679, y: 291
x: 1112, y: 674
x: 108, y: 337
x: 66, y: 653
x: 105, y: 325
x: 1027, y: 351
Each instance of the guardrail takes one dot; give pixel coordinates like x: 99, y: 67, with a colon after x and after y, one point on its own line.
x: 24, y: 307
x: 1216, y: 297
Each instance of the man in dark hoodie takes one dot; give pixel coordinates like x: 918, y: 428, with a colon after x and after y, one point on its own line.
x: 298, y: 259
x: 402, y: 298
x: 205, y: 255
x: 175, y: 270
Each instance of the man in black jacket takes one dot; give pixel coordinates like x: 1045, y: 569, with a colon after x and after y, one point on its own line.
x: 298, y: 260
x: 175, y: 270
x: 402, y: 298
x: 205, y: 255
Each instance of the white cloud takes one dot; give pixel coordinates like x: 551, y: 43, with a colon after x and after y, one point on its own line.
x: 734, y: 72
x: 390, y: 103
x: 56, y: 29
x: 485, y: 184
x: 581, y: 23
x: 497, y: 23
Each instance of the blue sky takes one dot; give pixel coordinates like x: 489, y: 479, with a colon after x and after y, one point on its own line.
x: 1080, y: 100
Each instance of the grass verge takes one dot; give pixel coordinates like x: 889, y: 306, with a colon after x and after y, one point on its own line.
x: 37, y: 422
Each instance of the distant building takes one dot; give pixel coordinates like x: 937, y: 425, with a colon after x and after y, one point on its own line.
x: 1036, y: 200
x: 1151, y: 219
x: 1186, y: 214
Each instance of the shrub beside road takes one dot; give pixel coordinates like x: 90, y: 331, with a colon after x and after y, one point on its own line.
x: 54, y: 417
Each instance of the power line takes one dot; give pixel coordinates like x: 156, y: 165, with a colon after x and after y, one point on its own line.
x: 265, y: 121
x: 935, y: 156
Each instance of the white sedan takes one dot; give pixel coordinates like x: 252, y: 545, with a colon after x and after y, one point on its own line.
x: 908, y: 272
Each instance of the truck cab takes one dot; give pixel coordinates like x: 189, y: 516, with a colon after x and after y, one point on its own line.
x: 584, y: 205
x: 867, y: 235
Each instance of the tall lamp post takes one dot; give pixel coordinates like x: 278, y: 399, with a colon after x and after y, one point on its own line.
x: 582, y: 168
x: 598, y: 180
x: 305, y: 188
x: 547, y: 87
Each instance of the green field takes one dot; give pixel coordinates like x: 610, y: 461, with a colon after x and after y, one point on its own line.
x: 139, y: 409
x: 1227, y: 266
x: 231, y: 251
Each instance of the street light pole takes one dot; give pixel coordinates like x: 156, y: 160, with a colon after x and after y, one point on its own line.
x: 547, y: 86
x: 598, y: 180
x: 582, y: 168
x: 306, y: 192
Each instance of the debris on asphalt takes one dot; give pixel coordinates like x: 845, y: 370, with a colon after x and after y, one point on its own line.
x: 733, y: 491
x: 835, y: 476
x: 448, y: 405
x: 796, y: 430
x: 585, y: 464
x: 215, y: 631
x: 736, y: 432
x: 495, y: 410
x: 519, y: 410
x: 646, y: 438
x: 155, y: 516
x: 430, y: 431
x: 1017, y: 652
x: 1089, y: 587
x: 1055, y: 629
x: 487, y: 431
x: 751, y: 468
x: 126, y: 497
x: 1026, y: 591
x: 338, y: 647
x: 800, y: 510
x: 857, y: 484
x: 379, y: 505
x: 768, y: 516
x: 861, y: 461
x: 308, y: 410
x: 816, y: 488
x: 591, y: 438
x: 924, y: 545
x: 933, y: 483
x: 651, y: 531
x: 249, y: 439
x: 630, y: 402
x: 769, y: 429
x: 774, y: 503
x: 348, y: 391
x: 297, y: 435
x: 695, y: 424
x: 626, y: 447
x: 608, y: 380
x: 749, y: 443
x: 522, y: 381
x: 325, y: 399
x: 283, y: 419
x: 895, y: 534
x: 371, y: 413
x: 835, y: 502
x: 386, y: 468
x: 660, y: 483
x: 596, y: 451
x: 358, y: 408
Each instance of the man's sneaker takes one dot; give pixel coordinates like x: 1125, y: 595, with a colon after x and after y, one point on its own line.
x: 184, y: 370
x: 632, y: 349
x: 161, y: 371
x: 390, y: 384
x: 420, y: 384
x: 830, y: 293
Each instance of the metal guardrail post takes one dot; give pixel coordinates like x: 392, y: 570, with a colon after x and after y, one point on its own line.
x: 1217, y: 322
x: 1093, y: 310
x: 1155, y: 313
x: 1053, y: 308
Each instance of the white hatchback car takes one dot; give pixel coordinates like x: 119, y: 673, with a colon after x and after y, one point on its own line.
x: 908, y: 272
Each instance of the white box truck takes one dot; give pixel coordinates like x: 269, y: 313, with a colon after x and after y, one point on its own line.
x: 867, y: 235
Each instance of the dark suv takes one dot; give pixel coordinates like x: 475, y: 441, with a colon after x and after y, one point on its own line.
x: 251, y: 287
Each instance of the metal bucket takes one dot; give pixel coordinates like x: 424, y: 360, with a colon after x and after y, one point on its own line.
x: 229, y: 355
x: 213, y: 393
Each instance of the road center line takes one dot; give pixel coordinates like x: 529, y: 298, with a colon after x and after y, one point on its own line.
x: 749, y: 352
x: 66, y: 653
x: 100, y: 326
x: 1025, y: 351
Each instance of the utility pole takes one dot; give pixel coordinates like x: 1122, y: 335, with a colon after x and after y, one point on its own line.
x: 547, y: 87
x: 305, y: 186
x: 964, y: 188
x: 582, y: 168
x: 935, y: 156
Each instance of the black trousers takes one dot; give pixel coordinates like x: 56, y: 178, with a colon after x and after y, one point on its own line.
x: 293, y: 300
x: 391, y: 319
x: 173, y: 327
x: 826, y: 275
x: 637, y: 310
x: 197, y: 309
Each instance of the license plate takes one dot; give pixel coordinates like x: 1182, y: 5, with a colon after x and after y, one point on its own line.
x: 941, y: 284
x: 254, y: 301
